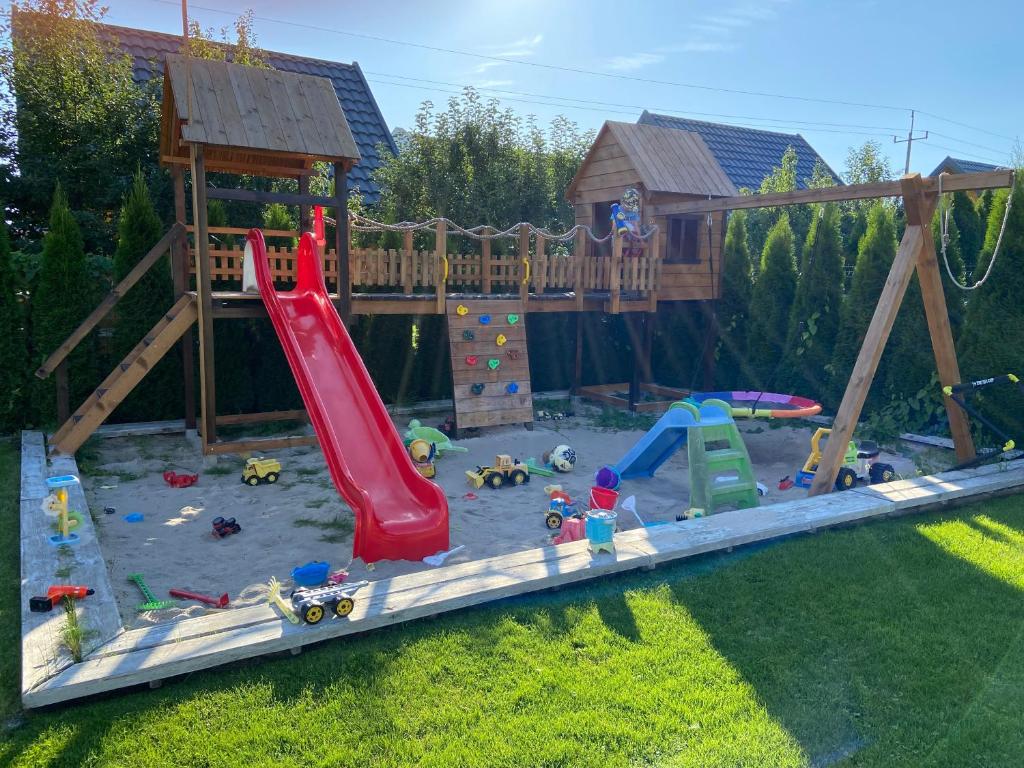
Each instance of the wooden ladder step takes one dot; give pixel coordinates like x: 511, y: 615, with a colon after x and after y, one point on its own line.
x: 124, y: 378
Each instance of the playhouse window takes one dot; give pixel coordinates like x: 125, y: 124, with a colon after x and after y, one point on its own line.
x: 683, y: 240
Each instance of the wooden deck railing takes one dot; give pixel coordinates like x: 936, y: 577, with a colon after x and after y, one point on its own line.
x: 409, y: 270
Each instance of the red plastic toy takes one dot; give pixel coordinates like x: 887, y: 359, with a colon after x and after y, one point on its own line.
x: 216, y: 602
x: 400, y: 515
x: 175, y: 480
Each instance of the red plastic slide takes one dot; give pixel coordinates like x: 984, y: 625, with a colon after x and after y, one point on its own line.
x: 400, y: 515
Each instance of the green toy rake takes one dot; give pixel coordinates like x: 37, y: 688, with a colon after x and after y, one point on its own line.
x: 151, y: 604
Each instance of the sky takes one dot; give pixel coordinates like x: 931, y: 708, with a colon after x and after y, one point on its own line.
x: 839, y: 72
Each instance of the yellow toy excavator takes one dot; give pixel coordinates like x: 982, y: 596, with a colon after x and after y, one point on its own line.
x: 859, y: 463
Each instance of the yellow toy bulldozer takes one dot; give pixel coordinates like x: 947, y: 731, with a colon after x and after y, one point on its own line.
x: 505, y: 471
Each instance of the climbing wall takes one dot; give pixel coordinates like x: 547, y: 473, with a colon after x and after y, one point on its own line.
x: 491, y: 380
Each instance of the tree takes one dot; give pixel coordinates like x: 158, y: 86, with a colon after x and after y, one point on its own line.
x: 814, y: 321
x: 203, y: 45
x: 62, y: 298
x: 867, y: 164
x: 139, y: 229
x: 968, y: 223
x: 770, y: 305
x: 77, y: 114
x: 13, y: 353
x: 993, y: 334
x: 734, y: 306
x: 874, y: 259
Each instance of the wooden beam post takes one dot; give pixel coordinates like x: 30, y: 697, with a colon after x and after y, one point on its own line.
x: 180, y: 271
x: 441, y: 256
x: 867, y: 360
x: 207, y: 386
x: 485, y: 263
x: 524, y: 268
x: 540, y: 263
x: 615, y: 276
x: 655, y: 273
x: 305, y: 220
x: 579, y: 255
x: 407, y: 261
x: 341, y: 242
x: 919, y: 208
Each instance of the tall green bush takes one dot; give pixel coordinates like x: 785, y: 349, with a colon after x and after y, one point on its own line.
x: 814, y: 321
x: 734, y: 306
x: 13, y: 353
x: 970, y: 227
x: 771, y: 302
x: 874, y: 259
x: 62, y: 298
x: 992, y: 342
x: 158, y: 395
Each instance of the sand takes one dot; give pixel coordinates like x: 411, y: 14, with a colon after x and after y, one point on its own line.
x: 173, y: 546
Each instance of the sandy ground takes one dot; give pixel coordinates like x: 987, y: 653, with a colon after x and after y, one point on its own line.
x: 282, y: 523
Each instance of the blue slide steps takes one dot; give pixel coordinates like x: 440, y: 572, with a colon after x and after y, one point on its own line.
x: 667, y: 436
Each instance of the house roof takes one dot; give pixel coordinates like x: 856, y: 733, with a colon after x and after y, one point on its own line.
x: 747, y: 155
x: 666, y: 160
x: 369, y: 130
x: 956, y: 165
x: 252, y: 108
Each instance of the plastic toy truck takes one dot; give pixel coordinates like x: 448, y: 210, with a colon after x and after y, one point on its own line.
x: 261, y: 470
x: 313, y: 604
x: 859, y: 463
x: 506, y: 471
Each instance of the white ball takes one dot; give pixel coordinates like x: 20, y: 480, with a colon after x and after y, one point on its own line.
x: 563, y: 458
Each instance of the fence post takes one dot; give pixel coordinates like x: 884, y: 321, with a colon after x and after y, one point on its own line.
x: 485, y: 262
x: 578, y: 258
x: 524, y: 261
x: 407, y: 283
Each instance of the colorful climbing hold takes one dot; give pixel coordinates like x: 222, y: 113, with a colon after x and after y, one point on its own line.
x: 500, y: 341
x: 513, y: 319
x: 493, y: 363
x: 468, y: 335
x: 470, y: 359
x: 461, y: 310
x: 476, y: 389
x: 512, y: 387
x: 485, y: 319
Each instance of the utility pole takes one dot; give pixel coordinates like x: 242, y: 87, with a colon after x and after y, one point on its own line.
x: 911, y: 138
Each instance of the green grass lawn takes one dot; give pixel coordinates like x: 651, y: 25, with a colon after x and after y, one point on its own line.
x: 892, y: 644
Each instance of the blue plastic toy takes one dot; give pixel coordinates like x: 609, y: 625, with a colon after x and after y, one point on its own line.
x: 133, y: 517
x: 485, y: 319
x: 311, y: 574
x: 512, y: 387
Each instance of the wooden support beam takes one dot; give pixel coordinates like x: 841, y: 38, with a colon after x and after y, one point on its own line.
x: 867, y: 360
x: 407, y: 260
x: 655, y: 254
x: 615, y: 278
x: 485, y: 263
x: 441, y: 269
x: 260, y: 196
x: 181, y: 271
x: 579, y: 256
x: 259, y: 444
x: 109, y: 301
x: 200, y: 218
x: 341, y: 242
x: 541, y: 262
x: 919, y: 208
x: 952, y: 183
x: 524, y: 266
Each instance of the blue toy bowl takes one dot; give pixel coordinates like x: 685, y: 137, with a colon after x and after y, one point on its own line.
x: 601, y: 526
x: 311, y: 574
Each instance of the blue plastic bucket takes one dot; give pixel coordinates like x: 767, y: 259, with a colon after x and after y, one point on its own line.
x: 601, y: 525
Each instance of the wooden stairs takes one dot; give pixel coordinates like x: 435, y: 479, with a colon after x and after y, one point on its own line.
x: 123, y: 379
x: 486, y: 396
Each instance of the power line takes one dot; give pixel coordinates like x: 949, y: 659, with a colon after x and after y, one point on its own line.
x: 969, y: 127
x: 543, y: 65
x: 621, y: 112
x: 970, y: 156
x: 660, y: 110
x: 970, y: 143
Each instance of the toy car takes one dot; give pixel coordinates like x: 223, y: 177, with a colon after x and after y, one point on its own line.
x: 559, y: 509
x: 312, y: 604
x: 261, y: 470
x: 859, y: 463
x: 505, y: 471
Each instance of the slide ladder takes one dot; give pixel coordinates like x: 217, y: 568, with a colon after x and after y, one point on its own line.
x: 720, y: 471
x: 126, y: 376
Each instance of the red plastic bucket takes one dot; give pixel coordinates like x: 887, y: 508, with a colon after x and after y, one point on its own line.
x: 603, y: 498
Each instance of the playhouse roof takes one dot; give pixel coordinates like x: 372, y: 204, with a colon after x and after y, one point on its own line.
x: 366, y: 123
x: 666, y: 160
x: 271, y: 114
x: 747, y: 155
x: 957, y: 165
